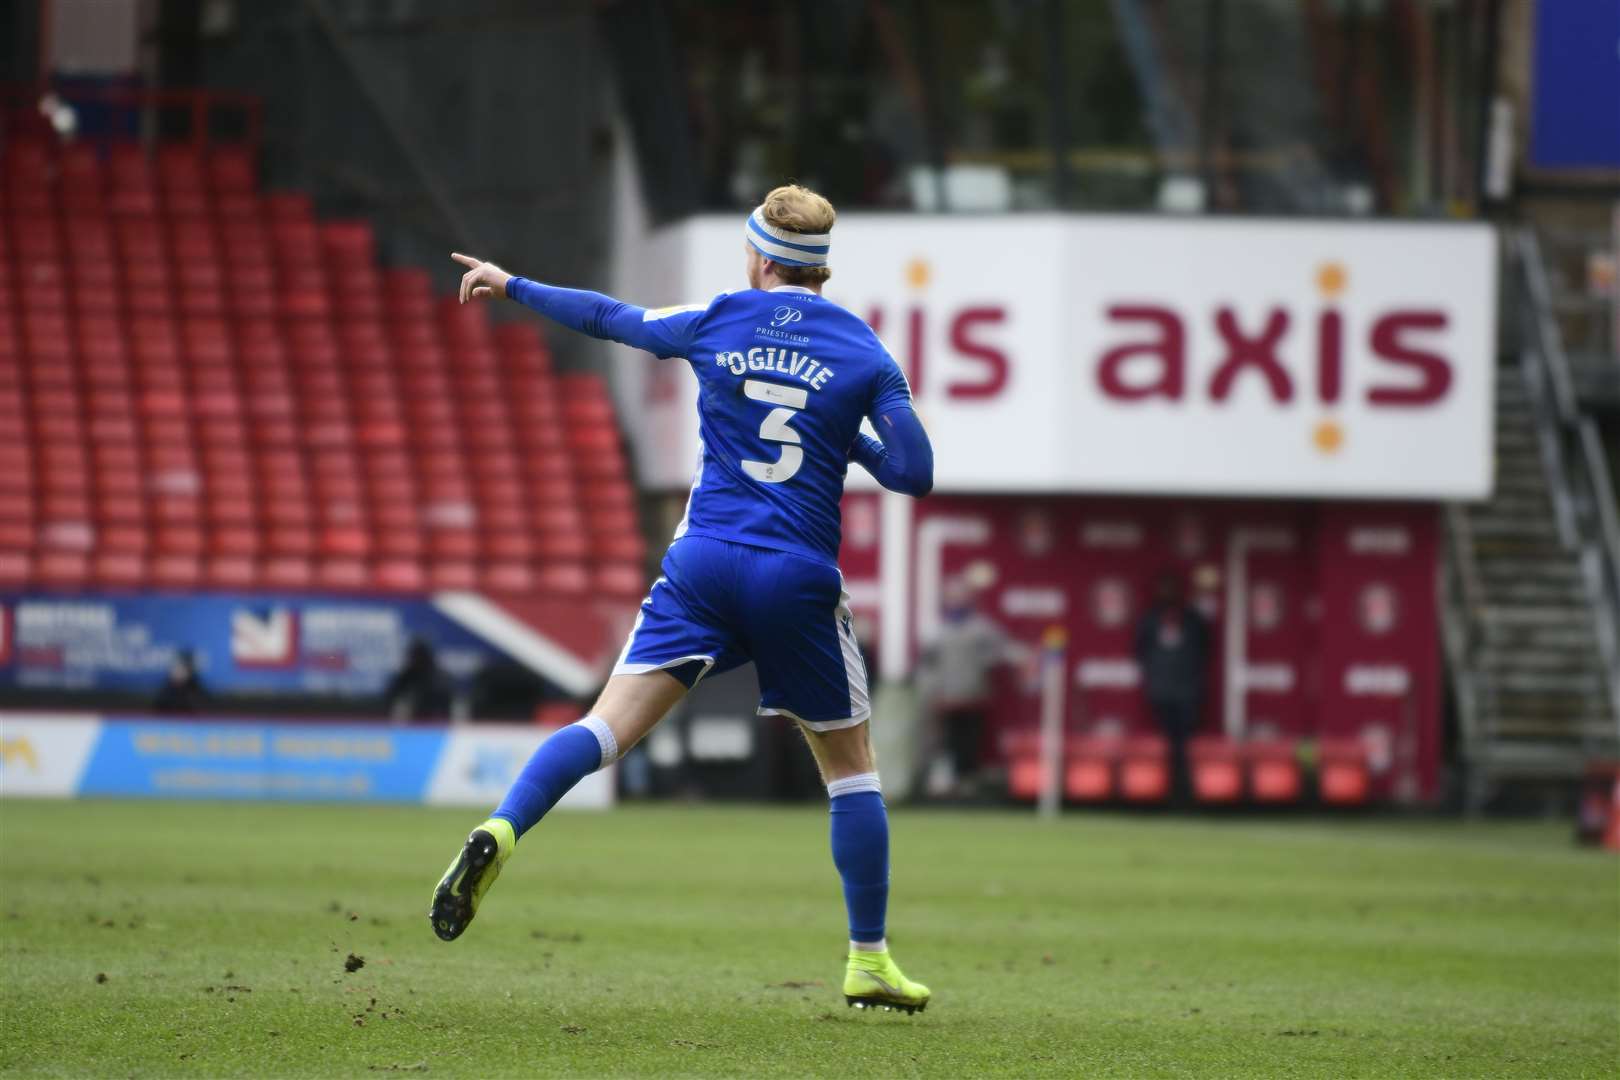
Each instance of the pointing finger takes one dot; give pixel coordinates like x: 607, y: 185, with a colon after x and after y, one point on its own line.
x: 464, y: 260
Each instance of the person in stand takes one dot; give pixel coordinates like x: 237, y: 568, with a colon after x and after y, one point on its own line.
x: 1172, y: 651
x: 417, y: 690
x: 182, y: 690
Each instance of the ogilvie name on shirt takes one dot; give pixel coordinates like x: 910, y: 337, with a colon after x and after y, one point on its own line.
x: 804, y: 368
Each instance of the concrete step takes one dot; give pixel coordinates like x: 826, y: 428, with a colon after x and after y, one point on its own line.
x: 1519, y: 479
x: 1517, y: 458
x: 1530, y: 658
x: 1546, y: 706
x: 1519, y: 461
x: 1519, y: 683
x: 1522, y: 501
x: 1584, y: 739
x: 1507, y: 569
x: 1518, y: 548
x: 1487, y: 525
x: 1516, y: 437
x: 1576, y: 643
x: 1551, y: 616
x: 1534, y: 594
x: 1576, y: 724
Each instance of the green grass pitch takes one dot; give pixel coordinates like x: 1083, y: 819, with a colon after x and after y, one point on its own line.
x: 153, y: 939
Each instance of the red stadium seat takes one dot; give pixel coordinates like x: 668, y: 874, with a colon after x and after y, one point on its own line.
x: 128, y: 167
x: 626, y: 580
x: 288, y: 206
x: 232, y: 169
x: 563, y: 577
x: 29, y: 162
x: 1090, y: 768
x: 16, y: 566
x: 184, y: 203
x: 62, y: 569
x: 351, y: 242
x: 507, y: 577
x: 119, y: 569
x: 231, y: 571
x: 288, y: 572
x: 237, y: 206
x: 342, y: 574
x: 176, y: 570
x: 1217, y: 770
x: 452, y: 574
x: 198, y: 410
x: 1144, y: 770
x: 179, y: 168
x: 400, y: 574
x: 1274, y: 771
x: 1344, y: 777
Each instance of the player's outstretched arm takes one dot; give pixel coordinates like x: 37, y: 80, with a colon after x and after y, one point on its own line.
x: 581, y: 310
x: 904, y: 460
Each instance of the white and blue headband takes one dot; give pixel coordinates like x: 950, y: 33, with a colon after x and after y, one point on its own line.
x: 785, y: 247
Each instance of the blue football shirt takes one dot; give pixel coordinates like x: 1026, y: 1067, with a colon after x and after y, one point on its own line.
x: 785, y: 378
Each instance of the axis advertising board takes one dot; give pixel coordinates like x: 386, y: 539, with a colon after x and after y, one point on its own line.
x: 1148, y: 355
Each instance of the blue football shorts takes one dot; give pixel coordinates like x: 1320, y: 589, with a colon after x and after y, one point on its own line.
x: 720, y: 604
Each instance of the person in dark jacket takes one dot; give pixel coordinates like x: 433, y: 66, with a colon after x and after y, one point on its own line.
x: 418, y: 689
x: 1172, y: 651
x: 182, y: 690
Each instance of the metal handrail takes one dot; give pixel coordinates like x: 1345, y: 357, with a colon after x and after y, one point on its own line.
x: 1598, y: 469
x: 1599, y: 543
x: 1460, y: 588
x: 1550, y: 446
x: 1548, y: 337
x: 1462, y: 552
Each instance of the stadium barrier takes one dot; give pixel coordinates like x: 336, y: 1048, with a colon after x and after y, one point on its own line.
x: 285, y: 643
x: 80, y: 756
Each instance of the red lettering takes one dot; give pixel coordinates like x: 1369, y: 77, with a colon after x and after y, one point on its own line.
x: 1329, y: 356
x: 994, y: 360
x: 1259, y: 353
x: 1169, y: 348
x: 1387, y: 346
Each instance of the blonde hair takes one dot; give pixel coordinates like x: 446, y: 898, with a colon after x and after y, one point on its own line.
x: 798, y: 209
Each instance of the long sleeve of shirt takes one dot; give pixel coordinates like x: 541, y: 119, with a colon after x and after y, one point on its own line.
x: 660, y: 331
x: 904, y: 460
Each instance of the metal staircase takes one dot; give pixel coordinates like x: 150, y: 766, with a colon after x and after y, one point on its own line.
x: 1532, y: 583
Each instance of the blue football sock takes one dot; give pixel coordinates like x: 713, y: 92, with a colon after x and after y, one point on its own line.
x: 860, y: 850
x: 562, y: 761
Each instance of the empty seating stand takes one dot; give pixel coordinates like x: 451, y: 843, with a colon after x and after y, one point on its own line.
x: 203, y: 386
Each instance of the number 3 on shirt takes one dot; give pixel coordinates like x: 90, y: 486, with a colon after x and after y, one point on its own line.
x: 789, y: 400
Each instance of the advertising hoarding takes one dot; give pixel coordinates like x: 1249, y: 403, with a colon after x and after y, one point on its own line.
x: 1146, y: 355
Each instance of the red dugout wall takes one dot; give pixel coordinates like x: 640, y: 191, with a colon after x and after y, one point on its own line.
x: 1334, y: 603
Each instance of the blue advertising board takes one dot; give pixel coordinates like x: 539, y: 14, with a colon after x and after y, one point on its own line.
x: 261, y: 761
x: 241, y: 643
x: 63, y: 756
x: 1575, y: 122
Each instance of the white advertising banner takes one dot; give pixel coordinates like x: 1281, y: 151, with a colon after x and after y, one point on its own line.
x: 1143, y: 355
x: 479, y: 763
x: 44, y: 756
